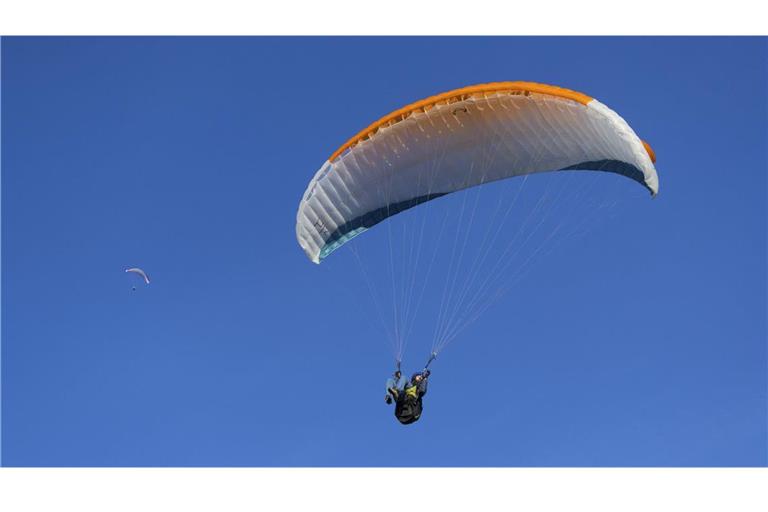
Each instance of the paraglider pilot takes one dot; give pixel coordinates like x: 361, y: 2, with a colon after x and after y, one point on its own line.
x: 407, y: 395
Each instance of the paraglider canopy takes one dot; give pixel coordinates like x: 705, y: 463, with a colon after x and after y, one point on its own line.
x: 422, y: 157
x: 505, y: 129
x: 139, y: 272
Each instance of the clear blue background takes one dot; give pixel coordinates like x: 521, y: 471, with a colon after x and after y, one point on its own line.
x: 645, y: 345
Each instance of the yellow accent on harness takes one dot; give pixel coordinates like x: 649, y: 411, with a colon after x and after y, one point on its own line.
x: 412, y: 391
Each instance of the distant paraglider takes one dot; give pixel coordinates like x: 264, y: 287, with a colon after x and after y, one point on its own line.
x: 140, y: 273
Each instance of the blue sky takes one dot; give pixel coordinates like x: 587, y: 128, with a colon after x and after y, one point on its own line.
x: 644, y: 344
